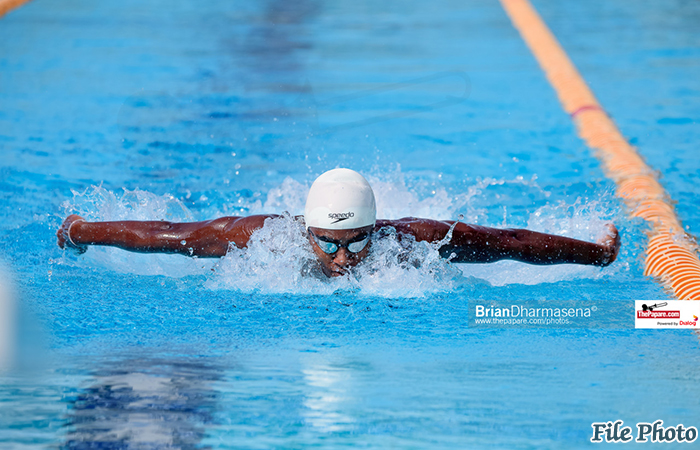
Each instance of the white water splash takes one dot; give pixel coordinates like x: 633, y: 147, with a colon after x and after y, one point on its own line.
x: 290, y: 196
x: 98, y: 203
x: 279, y: 259
x: 405, y: 268
x: 396, y: 200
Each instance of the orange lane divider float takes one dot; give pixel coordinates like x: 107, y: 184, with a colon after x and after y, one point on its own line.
x: 7, y: 5
x: 671, y: 253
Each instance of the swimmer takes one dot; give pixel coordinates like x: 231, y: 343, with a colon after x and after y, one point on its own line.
x: 340, y: 220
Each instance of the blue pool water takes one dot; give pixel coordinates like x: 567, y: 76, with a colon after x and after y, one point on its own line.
x: 193, y: 110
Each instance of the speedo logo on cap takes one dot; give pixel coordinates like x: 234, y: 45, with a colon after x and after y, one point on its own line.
x: 339, y: 217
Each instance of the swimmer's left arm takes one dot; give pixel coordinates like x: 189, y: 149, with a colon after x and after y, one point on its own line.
x: 477, y: 244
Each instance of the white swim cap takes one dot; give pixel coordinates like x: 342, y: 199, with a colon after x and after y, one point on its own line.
x: 340, y: 199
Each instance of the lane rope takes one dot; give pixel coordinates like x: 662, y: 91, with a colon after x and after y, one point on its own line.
x: 672, y: 254
x: 8, y: 5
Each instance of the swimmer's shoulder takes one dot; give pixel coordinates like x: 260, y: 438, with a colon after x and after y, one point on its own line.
x: 242, y: 224
x: 421, y: 229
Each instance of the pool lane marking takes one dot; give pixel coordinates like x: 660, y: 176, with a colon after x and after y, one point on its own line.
x: 671, y: 255
x: 8, y: 5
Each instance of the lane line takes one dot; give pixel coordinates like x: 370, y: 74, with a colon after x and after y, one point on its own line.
x: 672, y: 254
x: 7, y: 5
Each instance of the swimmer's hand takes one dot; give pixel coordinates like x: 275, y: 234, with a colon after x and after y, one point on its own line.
x: 610, y: 244
x: 65, y: 239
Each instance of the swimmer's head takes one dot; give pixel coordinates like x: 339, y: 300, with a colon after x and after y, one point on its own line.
x: 340, y: 215
x: 340, y: 199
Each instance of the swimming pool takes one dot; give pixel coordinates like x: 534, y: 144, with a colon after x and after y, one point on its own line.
x: 191, y: 111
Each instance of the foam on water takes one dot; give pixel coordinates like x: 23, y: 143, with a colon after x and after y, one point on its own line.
x: 279, y: 258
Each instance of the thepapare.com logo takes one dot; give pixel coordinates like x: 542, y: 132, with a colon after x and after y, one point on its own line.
x: 666, y: 314
x: 651, y: 311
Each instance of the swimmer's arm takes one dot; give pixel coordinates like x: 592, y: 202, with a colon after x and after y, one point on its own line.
x: 203, y: 239
x: 476, y: 244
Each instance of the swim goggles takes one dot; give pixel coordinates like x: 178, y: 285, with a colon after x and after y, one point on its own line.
x: 330, y: 246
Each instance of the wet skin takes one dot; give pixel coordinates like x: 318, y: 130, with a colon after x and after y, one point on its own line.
x: 338, y: 263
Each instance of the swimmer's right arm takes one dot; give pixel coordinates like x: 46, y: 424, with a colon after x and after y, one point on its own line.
x: 208, y: 239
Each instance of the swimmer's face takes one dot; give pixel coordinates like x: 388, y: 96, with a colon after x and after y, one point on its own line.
x: 339, y: 262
